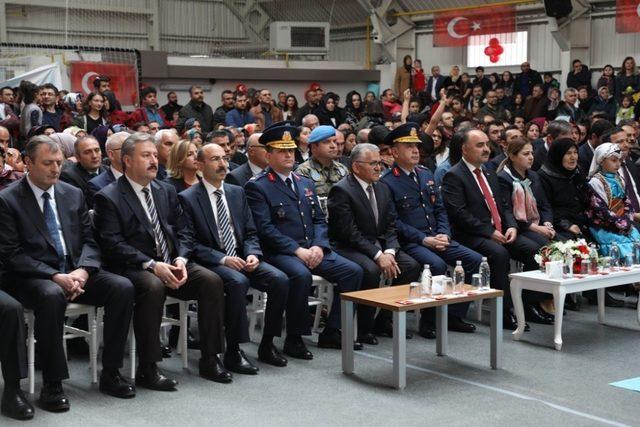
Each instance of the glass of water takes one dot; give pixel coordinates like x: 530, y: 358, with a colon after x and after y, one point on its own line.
x: 475, y: 281
x: 447, y: 286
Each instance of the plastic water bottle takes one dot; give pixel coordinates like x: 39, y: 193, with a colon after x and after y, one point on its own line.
x: 458, y: 278
x: 593, y: 258
x: 568, y: 264
x: 614, y: 253
x: 485, y: 275
x: 425, y: 281
x: 635, y: 259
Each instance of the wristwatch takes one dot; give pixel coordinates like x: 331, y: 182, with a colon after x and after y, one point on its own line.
x: 151, y: 266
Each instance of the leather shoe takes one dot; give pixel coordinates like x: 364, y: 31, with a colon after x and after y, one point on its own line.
x: 456, y: 324
x: 114, y: 384
x: 15, y: 405
x: 609, y: 301
x: 268, y: 353
x: 332, y: 338
x: 166, y: 351
x: 368, y: 338
x: 509, y: 322
x: 53, y: 397
x: 213, y: 370
x: 150, y: 377
x: 427, y: 330
x: 296, y: 349
x: 532, y: 314
x: 385, y: 329
x: 236, y: 361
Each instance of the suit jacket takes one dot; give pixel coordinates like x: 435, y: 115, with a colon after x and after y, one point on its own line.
x: 351, y: 221
x: 76, y: 175
x: 208, y: 247
x: 240, y: 175
x: 126, y: 234
x: 26, y: 247
x: 98, y: 183
x: 466, y: 206
x: 540, y: 157
x: 585, y: 156
x: 438, y: 82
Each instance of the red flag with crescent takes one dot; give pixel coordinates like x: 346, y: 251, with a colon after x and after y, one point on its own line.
x: 453, y: 28
x: 628, y: 16
x: 124, y: 79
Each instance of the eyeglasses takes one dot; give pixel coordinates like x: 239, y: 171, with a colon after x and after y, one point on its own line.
x: 372, y: 164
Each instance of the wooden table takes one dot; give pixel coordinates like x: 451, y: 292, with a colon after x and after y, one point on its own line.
x: 559, y: 288
x: 387, y: 298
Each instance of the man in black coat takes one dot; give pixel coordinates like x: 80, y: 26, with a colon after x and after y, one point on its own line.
x: 226, y: 242
x: 525, y: 81
x: 362, y: 223
x: 586, y: 150
x: 256, y: 163
x: 49, y: 258
x: 482, y: 217
x: 197, y: 109
x: 113, y: 147
x: 142, y: 232
x: 89, y: 165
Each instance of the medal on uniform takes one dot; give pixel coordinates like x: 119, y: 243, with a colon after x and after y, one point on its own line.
x: 280, y: 212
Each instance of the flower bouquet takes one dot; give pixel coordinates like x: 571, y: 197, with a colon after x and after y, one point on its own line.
x: 556, y: 251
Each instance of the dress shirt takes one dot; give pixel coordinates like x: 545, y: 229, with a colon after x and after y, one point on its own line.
x: 255, y: 170
x: 38, y: 192
x: 472, y: 168
x: 115, y: 173
x: 364, y: 186
x: 212, y: 199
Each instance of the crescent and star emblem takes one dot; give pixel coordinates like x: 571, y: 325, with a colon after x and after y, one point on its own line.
x: 452, y: 24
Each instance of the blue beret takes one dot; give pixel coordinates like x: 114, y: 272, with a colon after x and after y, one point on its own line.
x: 321, y: 133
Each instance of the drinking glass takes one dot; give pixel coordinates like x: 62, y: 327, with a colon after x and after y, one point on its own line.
x: 585, y: 267
x: 475, y: 281
x: 447, y: 286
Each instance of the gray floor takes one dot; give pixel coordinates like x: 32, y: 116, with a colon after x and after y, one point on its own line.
x: 538, y: 385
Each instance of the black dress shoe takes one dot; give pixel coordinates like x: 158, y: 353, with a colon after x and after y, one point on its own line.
x: 166, y: 351
x: 150, y: 377
x: 236, y: 361
x: 332, y: 338
x: 609, y: 301
x: 368, y: 338
x: 213, y: 370
x: 53, y: 398
x: 268, y: 353
x: 15, y: 405
x: 427, y: 330
x: 296, y: 349
x: 114, y: 384
x: 456, y: 324
x: 571, y: 304
x: 532, y: 314
x: 385, y: 329
x: 509, y: 322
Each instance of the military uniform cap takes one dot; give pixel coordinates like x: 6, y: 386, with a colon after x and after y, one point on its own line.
x: 405, y: 133
x: 281, y: 137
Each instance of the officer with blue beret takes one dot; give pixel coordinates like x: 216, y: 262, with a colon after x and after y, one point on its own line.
x: 423, y: 226
x: 293, y: 234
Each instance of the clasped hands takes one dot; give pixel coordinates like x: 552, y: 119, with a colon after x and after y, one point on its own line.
x: 311, y: 257
x: 439, y: 242
x: 508, y: 237
x: 239, y: 264
x: 72, y: 283
x: 173, y: 276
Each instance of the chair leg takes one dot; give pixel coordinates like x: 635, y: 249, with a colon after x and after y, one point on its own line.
x: 31, y: 352
x: 132, y: 351
x: 93, y: 345
x: 184, y: 334
x: 478, y: 304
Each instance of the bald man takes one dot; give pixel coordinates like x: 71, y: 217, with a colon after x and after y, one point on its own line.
x: 5, y: 138
x: 256, y: 163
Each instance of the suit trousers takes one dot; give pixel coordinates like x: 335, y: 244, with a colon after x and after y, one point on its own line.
x: 48, y: 302
x: 438, y: 261
x: 334, y: 268
x: 202, y: 285
x: 265, y: 278
x: 410, y: 271
x: 13, y: 356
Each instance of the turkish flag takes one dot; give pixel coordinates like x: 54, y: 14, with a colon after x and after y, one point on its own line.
x: 453, y: 28
x: 628, y: 16
x: 124, y: 79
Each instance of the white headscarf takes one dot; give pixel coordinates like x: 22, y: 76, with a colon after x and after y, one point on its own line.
x: 603, y: 151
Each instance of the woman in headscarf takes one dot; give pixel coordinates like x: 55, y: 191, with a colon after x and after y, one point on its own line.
x: 195, y: 136
x: 354, y: 110
x: 403, y: 76
x: 609, y: 211
x: 100, y: 134
x: 66, y: 141
x: 565, y: 187
x: 531, y: 211
x: 328, y: 112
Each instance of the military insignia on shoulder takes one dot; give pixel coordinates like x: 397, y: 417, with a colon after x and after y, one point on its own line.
x: 271, y: 176
x: 396, y: 171
x: 308, y: 192
x: 296, y: 176
x: 430, y: 182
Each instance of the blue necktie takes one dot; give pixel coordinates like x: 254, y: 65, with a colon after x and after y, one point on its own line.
x: 52, y: 226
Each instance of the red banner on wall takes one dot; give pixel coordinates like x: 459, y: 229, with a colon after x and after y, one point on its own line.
x: 454, y: 27
x: 124, y: 79
x: 628, y: 16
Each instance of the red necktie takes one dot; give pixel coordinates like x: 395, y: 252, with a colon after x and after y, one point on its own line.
x: 495, y: 215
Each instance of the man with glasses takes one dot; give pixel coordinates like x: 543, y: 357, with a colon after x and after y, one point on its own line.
x: 293, y: 235
x: 256, y: 163
x: 113, y: 147
x: 362, y: 222
x: 266, y: 113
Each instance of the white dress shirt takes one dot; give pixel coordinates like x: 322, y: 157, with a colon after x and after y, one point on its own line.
x: 472, y: 168
x: 38, y: 192
x: 364, y: 186
x: 255, y: 170
x: 211, y: 189
x: 115, y: 173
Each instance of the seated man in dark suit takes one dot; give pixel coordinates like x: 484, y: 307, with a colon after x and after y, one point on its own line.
x: 362, y: 223
x: 226, y: 243
x: 586, y: 150
x: 142, y: 232
x: 89, y: 165
x: 50, y: 257
x: 113, y: 148
x: 256, y: 163
x: 293, y: 234
x: 224, y: 138
x: 13, y: 359
x: 423, y: 226
x: 482, y: 217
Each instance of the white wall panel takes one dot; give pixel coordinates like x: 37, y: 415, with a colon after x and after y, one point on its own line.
x: 608, y: 47
x: 198, y: 18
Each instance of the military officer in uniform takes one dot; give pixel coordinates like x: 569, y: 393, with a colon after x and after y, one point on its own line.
x: 323, y: 167
x: 423, y: 226
x: 293, y: 235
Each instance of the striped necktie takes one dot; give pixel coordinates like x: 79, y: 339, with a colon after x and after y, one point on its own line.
x: 157, y: 230
x: 224, y: 226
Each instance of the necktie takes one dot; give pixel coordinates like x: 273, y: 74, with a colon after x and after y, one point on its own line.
x: 224, y: 226
x: 631, y: 192
x: 52, y: 226
x: 495, y: 215
x: 413, y: 176
x: 372, y: 202
x: 157, y: 229
x: 290, y: 184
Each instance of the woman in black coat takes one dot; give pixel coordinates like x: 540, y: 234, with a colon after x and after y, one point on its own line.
x: 328, y: 112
